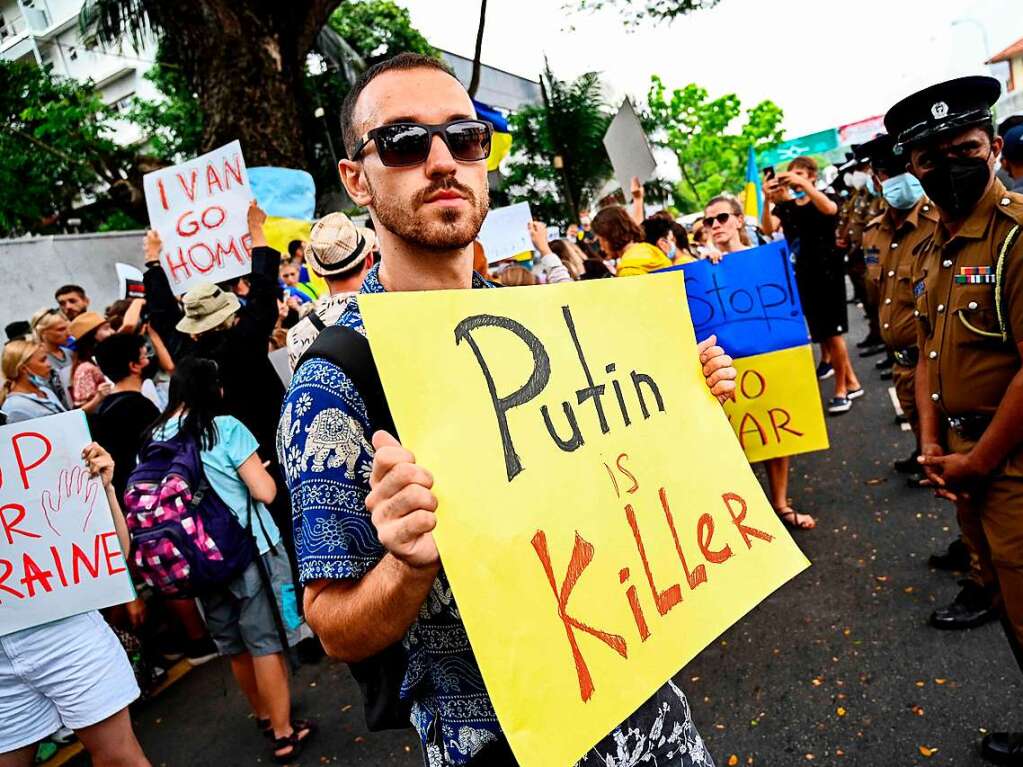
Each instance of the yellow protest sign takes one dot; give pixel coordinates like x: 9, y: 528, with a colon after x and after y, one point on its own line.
x: 597, y: 520
x: 777, y: 409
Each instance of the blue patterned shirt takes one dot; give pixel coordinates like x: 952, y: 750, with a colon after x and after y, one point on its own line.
x: 324, y: 448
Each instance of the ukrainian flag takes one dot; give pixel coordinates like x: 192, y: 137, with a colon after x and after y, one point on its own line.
x: 502, y: 140
x: 751, y: 204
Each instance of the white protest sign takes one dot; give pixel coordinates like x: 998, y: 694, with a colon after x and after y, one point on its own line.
x: 282, y: 365
x: 129, y: 281
x: 505, y: 232
x: 200, y: 210
x: 59, y: 553
x: 628, y: 148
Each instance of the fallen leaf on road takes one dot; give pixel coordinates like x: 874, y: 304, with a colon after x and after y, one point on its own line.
x: 840, y: 711
x: 817, y: 682
x: 733, y: 760
x: 920, y: 684
x: 917, y: 710
x: 939, y: 681
x: 928, y: 752
x: 878, y: 481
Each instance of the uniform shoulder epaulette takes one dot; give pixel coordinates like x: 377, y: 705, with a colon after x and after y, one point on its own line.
x: 1011, y: 205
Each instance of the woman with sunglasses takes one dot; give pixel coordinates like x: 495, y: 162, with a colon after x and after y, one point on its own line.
x: 726, y: 225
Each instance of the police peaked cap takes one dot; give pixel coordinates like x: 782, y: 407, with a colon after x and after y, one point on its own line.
x: 850, y: 162
x: 943, y: 108
x: 881, y: 151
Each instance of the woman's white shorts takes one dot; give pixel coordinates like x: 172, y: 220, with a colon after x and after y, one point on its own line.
x: 72, y: 672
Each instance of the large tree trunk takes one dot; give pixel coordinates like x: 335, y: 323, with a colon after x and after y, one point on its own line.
x: 247, y: 63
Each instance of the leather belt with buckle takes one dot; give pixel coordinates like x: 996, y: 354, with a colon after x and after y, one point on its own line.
x: 969, y: 427
x: 907, y: 357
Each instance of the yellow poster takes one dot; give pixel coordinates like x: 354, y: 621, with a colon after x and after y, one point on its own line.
x: 777, y: 409
x: 597, y: 520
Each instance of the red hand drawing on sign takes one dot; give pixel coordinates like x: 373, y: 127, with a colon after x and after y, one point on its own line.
x: 73, y: 499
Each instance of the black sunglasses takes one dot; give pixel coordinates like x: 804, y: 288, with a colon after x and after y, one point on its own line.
x: 721, y: 218
x: 402, y: 144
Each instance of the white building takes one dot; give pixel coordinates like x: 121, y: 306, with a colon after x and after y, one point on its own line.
x: 47, y: 33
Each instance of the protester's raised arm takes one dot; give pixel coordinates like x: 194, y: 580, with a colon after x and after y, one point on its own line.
x: 163, y: 356
x: 133, y: 316
x: 164, y: 310
x: 553, y: 269
x: 637, y: 213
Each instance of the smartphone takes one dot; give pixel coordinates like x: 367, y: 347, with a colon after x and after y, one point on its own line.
x: 769, y: 173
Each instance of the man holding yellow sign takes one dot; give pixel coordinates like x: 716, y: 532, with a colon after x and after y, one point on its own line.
x: 588, y: 569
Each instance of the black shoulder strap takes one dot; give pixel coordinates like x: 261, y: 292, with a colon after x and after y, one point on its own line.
x: 316, y: 322
x: 349, y: 350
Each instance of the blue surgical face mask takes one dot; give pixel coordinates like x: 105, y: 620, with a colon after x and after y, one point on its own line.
x: 797, y: 195
x: 672, y: 251
x: 38, y: 380
x: 902, y: 192
x: 871, y: 186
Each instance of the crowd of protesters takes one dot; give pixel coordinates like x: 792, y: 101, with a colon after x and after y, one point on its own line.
x: 339, y: 513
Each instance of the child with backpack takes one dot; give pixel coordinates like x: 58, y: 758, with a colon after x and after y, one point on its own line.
x: 196, y: 509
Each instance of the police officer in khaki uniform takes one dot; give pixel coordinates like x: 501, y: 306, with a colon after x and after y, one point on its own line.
x: 862, y: 205
x: 969, y: 295
x: 894, y: 241
x: 891, y: 242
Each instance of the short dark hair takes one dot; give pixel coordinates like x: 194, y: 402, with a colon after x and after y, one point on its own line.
x: 63, y: 290
x: 655, y: 228
x: 1008, y: 124
x: 615, y: 225
x: 116, y: 353
x: 403, y: 62
x: 349, y: 272
x: 293, y: 246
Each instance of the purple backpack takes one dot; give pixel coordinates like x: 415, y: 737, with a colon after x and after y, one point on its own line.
x: 184, y: 538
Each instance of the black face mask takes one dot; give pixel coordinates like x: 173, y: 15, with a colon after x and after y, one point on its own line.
x: 957, y: 184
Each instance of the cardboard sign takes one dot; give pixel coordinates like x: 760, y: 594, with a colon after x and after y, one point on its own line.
x: 777, y: 409
x: 200, y: 209
x: 129, y: 281
x: 749, y: 300
x: 59, y: 553
x: 628, y: 148
x: 597, y: 519
x: 505, y: 232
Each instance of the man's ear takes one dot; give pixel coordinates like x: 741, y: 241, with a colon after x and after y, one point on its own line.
x: 353, y: 176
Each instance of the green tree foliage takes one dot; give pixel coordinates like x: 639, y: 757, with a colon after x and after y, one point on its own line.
x: 703, y: 133
x: 572, y: 125
x: 636, y: 11
x: 376, y: 30
x: 55, y: 148
x: 172, y: 126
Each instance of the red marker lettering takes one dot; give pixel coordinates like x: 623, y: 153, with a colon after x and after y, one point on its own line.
x: 22, y: 468
x: 11, y: 527
x: 582, y: 555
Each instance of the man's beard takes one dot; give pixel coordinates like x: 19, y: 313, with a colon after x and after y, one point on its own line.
x: 451, y: 230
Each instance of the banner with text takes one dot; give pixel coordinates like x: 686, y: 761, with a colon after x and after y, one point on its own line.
x: 777, y: 409
x: 588, y: 562
x: 749, y: 300
x: 200, y: 209
x: 59, y: 553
